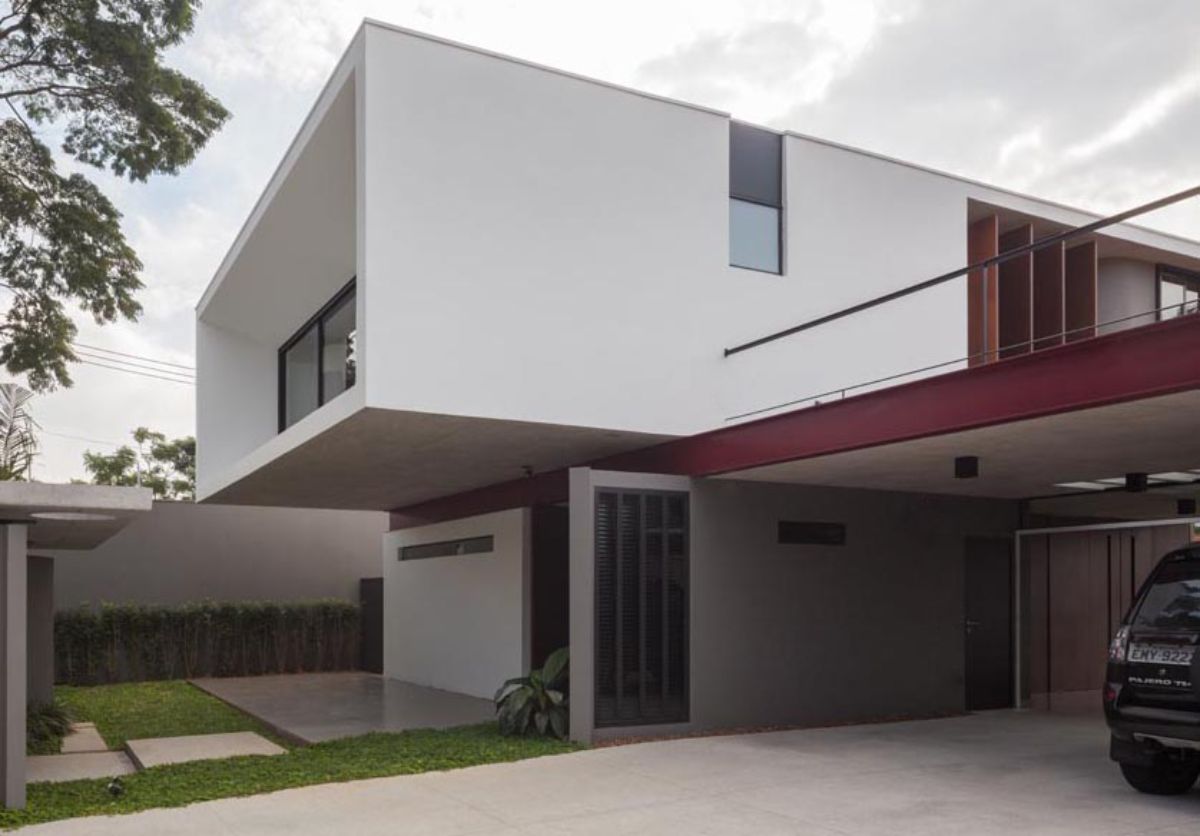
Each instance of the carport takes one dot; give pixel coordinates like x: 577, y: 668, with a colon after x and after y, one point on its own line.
x: 823, y: 543
x: 41, y: 516
x: 1093, y: 441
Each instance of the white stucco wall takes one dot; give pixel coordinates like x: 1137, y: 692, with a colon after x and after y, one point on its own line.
x: 232, y: 369
x: 459, y: 623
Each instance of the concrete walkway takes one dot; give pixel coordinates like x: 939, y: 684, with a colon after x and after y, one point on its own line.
x: 312, y: 707
x: 997, y: 773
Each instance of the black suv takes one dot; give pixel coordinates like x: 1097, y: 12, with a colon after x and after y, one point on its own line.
x: 1152, y: 690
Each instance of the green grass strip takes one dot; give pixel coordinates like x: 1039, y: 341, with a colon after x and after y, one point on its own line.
x: 133, y: 710
x: 370, y: 756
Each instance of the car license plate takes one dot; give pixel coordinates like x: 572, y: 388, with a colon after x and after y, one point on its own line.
x: 1161, y: 654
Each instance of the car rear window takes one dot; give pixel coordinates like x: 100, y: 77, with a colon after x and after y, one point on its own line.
x: 1173, y: 600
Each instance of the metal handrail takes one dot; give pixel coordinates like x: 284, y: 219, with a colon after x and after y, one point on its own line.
x: 967, y: 359
x: 1041, y: 244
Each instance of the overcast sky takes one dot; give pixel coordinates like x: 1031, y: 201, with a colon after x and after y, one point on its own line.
x: 1094, y: 103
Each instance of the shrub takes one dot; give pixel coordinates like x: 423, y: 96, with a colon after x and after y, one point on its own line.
x: 134, y: 643
x: 46, y: 724
x: 537, y: 702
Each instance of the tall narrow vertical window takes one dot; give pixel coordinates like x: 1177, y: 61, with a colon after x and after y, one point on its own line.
x: 755, y: 198
x: 319, y: 362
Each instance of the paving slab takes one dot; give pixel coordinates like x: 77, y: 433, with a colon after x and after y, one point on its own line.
x: 157, y: 751
x: 77, y: 765
x: 83, y: 737
x: 313, y: 707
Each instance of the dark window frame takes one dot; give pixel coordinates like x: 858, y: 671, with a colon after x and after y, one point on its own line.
x: 317, y: 321
x: 1161, y: 273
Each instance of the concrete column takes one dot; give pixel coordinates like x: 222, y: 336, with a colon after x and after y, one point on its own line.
x: 13, y: 568
x: 40, y: 646
x: 583, y: 599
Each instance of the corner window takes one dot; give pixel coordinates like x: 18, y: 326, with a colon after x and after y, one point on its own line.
x: 1178, y: 292
x: 319, y: 362
x: 755, y: 198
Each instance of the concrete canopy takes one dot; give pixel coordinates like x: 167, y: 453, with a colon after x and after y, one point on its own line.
x: 71, y: 516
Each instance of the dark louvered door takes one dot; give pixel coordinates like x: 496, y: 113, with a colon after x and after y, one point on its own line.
x: 641, y: 607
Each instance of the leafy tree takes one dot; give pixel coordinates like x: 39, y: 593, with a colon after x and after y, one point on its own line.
x: 92, y: 71
x: 166, y: 467
x: 18, y: 444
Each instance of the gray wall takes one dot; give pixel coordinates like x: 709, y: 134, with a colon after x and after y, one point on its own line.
x: 803, y: 634
x: 812, y: 634
x: 183, y: 552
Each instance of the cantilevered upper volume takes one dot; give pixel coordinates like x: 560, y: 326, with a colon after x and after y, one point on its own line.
x: 468, y: 268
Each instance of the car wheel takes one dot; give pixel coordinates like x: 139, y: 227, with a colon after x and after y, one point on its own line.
x: 1164, y: 778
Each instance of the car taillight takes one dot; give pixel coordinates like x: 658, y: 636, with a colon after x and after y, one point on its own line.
x: 1119, y: 646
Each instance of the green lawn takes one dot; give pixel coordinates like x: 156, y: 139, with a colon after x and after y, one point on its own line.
x: 134, y: 710
x: 174, y: 708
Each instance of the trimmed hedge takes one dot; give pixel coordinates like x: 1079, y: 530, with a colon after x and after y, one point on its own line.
x: 133, y: 643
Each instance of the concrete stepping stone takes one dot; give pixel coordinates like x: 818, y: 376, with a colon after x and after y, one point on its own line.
x: 83, y: 737
x: 76, y: 766
x: 157, y: 751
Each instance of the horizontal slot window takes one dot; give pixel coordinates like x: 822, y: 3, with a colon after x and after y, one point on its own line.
x: 448, y: 548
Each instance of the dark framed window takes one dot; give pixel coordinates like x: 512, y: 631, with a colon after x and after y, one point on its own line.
x: 755, y: 199
x: 1178, y: 292
x: 449, y: 548
x: 318, y: 362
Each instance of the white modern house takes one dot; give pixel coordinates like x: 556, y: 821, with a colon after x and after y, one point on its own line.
x: 552, y: 325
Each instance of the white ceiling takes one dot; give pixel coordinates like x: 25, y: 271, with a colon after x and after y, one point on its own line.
x: 1021, y: 459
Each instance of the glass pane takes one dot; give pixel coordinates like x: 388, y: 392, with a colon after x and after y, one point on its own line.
x: 338, y: 361
x: 1173, y: 602
x: 1170, y: 293
x: 300, y: 378
x: 753, y: 236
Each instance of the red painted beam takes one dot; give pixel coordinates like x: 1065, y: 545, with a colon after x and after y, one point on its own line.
x: 1145, y: 362
x: 539, y: 489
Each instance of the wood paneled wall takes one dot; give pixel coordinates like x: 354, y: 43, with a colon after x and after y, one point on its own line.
x: 1079, y: 585
x: 1080, y: 286
x: 1016, y: 294
x: 983, y: 301
x: 1049, y: 271
x: 1031, y: 300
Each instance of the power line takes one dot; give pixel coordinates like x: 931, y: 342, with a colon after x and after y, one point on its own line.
x: 44, y: 431
x: 134, y: 364
x: 134, y: 356
x: 138, y: 373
